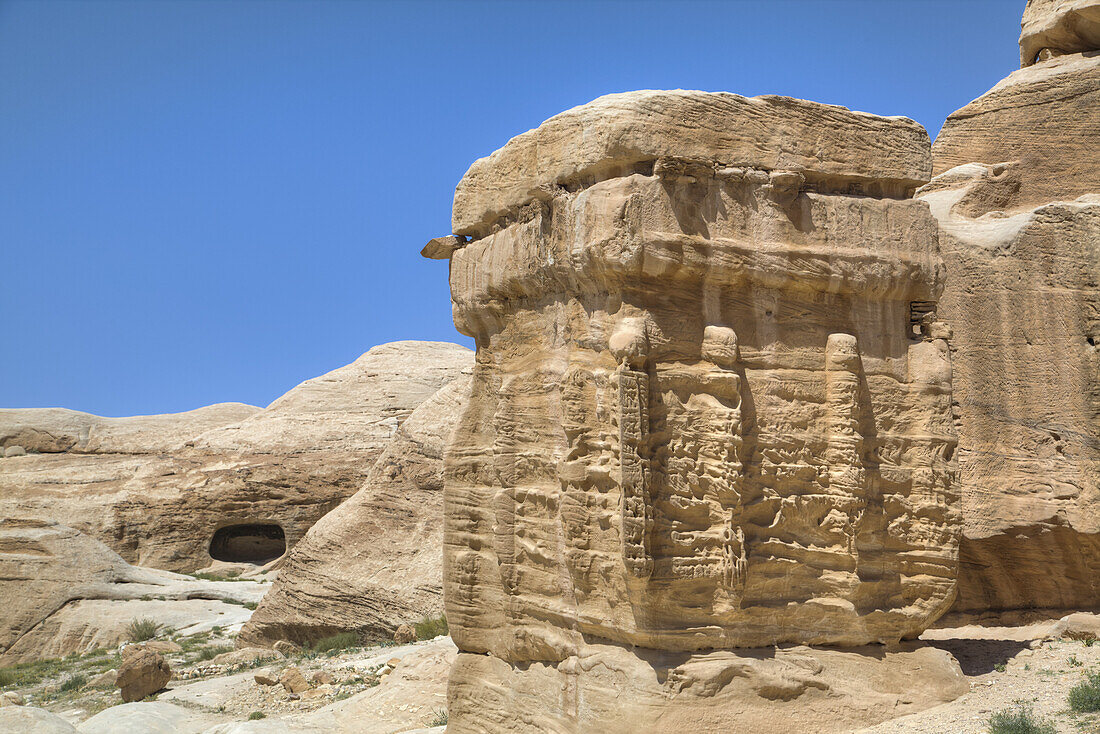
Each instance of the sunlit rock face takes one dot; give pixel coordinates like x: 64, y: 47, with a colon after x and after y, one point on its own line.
x: 712, y: 400
x: 1017, y: 196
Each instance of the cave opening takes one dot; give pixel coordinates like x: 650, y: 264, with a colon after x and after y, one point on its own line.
x: 254, y: 543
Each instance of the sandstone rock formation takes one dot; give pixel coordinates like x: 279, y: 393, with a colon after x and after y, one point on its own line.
x: 232, y: 480
x: 375, y: 561
x: 1017, y: 197
x: 711, y: 408
x: 65, y: 592
x: 142, y: 673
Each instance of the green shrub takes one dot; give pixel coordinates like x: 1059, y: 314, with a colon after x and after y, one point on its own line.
x: 7, y: 677
x: 257, y: 715
x: 1020, y: 720
x: 140, y: 630
x: 341, y: 641
x: 439, y: 718
x: 1085, y: 696
x: 74, y: 683
x: 431, y: 627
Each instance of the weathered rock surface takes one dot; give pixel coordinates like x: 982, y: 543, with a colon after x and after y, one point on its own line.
x: 373, y: 562
x: 32, y: 720
x: 142, y: 673
x: 1018, y: 202
x: 711, y: 406
x: 245, y: 483
x: 1041, y: 121
x: 1052, y: 28
x: 65, y: 592
x: 1024, y: 299
x: 774, y: 691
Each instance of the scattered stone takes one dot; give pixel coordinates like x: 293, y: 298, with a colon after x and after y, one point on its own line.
x: 14, y: 451
x: 142, y: 673
x: 404, y: 634
x: 1077, y: 626
x: 266, y: 679
x: 321, y: 677
x: 293, y: 680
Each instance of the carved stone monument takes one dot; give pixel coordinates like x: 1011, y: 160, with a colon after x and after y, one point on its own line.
x: 711, y: 408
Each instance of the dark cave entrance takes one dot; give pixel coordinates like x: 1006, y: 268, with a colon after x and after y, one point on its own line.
x: 256, y: 543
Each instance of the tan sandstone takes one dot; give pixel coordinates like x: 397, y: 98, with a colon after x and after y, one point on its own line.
x: 1052, y: 28
x: 374, y: 562
x: 156, y: 489
x: 711, y: 407
x: 1018, y: 202
x: 143, y: 672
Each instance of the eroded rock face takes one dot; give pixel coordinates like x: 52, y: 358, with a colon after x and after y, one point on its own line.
x: 712, y: 401
x: 232, y: 482
x: 1052, y: 28
x: 1018, y: 202
x: 374, y: 562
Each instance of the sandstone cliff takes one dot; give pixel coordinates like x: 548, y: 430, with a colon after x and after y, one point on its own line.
x: 1017, y: 197
x: 245, y: 483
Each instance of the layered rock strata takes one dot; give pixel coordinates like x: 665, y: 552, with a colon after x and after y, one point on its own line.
x: 711, y: 406
x: 228, y: 482
x: 374, y: 562
x: 1017, y: 197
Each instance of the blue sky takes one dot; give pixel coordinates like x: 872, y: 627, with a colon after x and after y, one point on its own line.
x: 212, y: 201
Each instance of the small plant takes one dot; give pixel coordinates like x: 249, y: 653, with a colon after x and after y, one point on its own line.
x: 999, y: 667
x: 1074, y: 662
x: 341, y: 641
x: 439, y: 718
x: 1089, y: 641
x: 245, y: 604
x: 140, y: 630
x: 257, y: 715
x: 74, y: 683
x: 1020, y: 720
x: 431, y: 627
x: 1085, y: 696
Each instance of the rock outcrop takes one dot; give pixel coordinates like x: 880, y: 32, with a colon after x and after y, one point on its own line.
x: 711, y: 409
x: 1017, y: 197
x: 142, y: 673
x: 228, y: 482
x: 375, y: 561
x: 65, y: 592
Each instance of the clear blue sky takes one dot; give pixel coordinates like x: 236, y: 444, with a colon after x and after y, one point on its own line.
x: 212, y: 201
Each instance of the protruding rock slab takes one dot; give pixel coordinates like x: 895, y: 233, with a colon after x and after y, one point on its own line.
x: 623, y: 133
x: 711, y: 406
x: 1052, y: 28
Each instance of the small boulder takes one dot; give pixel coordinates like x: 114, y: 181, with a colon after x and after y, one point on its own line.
x: 11, y: 698
x: 293, y: 680
x: 142, y: 673
x: 1077, y: 626
x: 404, y: 634
x: 265, y: 679
x: 321, y: 677
x: 286, y: 647
x: 15, y: 451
